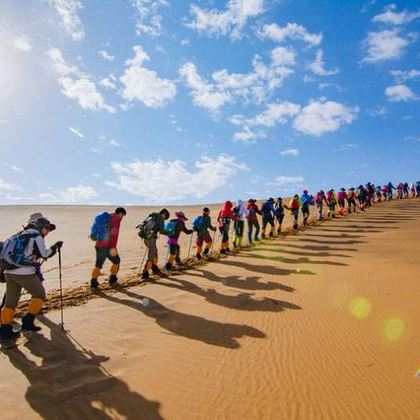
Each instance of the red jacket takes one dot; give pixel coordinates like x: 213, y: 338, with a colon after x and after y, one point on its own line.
x: 113, y: 231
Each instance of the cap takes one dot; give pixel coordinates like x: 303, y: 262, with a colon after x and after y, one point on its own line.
x: 181, y: 215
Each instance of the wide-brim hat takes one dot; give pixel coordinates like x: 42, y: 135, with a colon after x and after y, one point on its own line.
x: 34, y: 217
x: 42, y: 222
x: 181, y: 215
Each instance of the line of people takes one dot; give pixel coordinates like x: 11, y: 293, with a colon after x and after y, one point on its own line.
x: 22, y: 255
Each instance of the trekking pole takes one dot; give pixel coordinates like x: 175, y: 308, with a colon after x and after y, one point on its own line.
x: 3, y: 301
x: 189, y: 248
x: 61, y: 288
x: 214, y: 240
x: 144, y: 257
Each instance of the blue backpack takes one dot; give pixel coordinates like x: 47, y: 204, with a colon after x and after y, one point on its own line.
x: 100, y: 227
x: 170, y: 228
x: 197, y: 223
x: 12, y: 254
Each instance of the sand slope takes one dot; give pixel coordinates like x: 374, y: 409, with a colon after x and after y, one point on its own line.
x: 323, y: 324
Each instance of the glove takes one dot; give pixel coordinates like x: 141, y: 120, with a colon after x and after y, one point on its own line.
x: 55, y: 248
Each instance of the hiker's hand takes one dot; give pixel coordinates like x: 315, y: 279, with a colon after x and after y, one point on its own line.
x: 59, y: 244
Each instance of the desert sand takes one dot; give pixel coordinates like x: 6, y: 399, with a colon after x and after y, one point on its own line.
x: 318, y: 325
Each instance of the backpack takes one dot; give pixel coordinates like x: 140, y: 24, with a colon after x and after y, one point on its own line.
x: 198, y: 223
x: 145, y: 229
x: 100, y: 227
x: 12, y: 254
x: 170, y: 228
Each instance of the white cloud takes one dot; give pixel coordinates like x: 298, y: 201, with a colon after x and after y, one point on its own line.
x: 161, y: 181
x: 402, y: 76
x: 318, y: 66
x: 384, y: 45
x: 320, y: 117
x: 77, y: 85
x: 400, y: 93
x: 292, y: 31
x: 255, y: 86
x: 230, y: 22
x: 67, y: 10
x: 71, y: 195
x: 145, y: 85
x: 7, y: 186
x: 108, y: 83
x: 390, y: 17
x: 106, y: 55
x: 16, y: 168
x: 114, y: 143
x: 22, y: 43
x: 149, y: 21
x: 290, y: 152
x: 283, y: 180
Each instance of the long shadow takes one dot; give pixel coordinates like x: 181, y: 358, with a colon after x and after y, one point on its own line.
x: 241, y: 301
x: 266, y: 269
x: 190, y: 326
x: 335, y: 243
x: 71, y: 382
x: 243, y: 283
x: 301, y: 253
x: 317, y: 247
x: 302, y: 260
x: 343, y: 235
x: 341, y: 230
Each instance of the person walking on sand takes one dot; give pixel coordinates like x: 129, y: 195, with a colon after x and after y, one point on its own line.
x: 331, y: 197
x: 294, y: 207
x: 342, y: 197
x: 239, y: 224
x: 252, y: 218
x: 320, y: 200
x: 390, y: 187
x: 352, y: 200
x: 201, y: 225
x: 173, y: 230
x: 149, y: 230
x: 224, y: 218
x: 306, y: 200
x: 279, y: 214
x: 20, y: 257
x: 105, y: 232
x: 267, y: 210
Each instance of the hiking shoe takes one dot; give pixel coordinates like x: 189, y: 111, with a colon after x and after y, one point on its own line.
x: 94, y: 284
x: 155, y: 269
x: 178, y: 260
x: 113, y: 280
x: 28, y: 323
x: 206, y: 251
x: 222, y: 252
x: 198, y: 256
x: 168, y: 266
x: 145, y: 275
x: 7, y: 333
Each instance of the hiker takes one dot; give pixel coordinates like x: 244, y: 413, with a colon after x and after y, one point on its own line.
x: 400, y: 190
x: 267, y: 210
x: 224, y: 218
x: 342, y: 197
x: 241, y: 213
x: 418, y: 189
x: 331, y: 197
x: 412, y: 189
x: 390, y: 187
x: 149, y: 230
x: 320, y: 200
x: 352, y: 200
x: 294, y: 206
x: 173, y: 230
x: 378, y: 194
x: 361, y: 197
x: 306, y: 200
x: 21, y: 255
x: 201, y: 225
x: 252, y: 218
x: 105, y: 231
x: 279, y: 214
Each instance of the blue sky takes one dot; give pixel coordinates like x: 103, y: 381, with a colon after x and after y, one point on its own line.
x: 148, y: 101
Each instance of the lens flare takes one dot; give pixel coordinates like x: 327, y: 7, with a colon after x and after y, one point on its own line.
x: 418, y: 373
x: 360, y: 307
x: 394, y: 328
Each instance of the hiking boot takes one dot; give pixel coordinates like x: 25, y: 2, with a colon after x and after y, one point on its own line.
x: 206, y: 251
x: 28, y: 323
x: 279, y: 232
x: 168, y: 266
x: 263, y: 236
x: 145, y: 275
x: 271, y: 235
x: 222, y: 252
x: 155, y: 269
x: 7, y: 333
x: 198, y: 256
x: 94, y: 284
x: 113, y: 280
x: 178, y: 260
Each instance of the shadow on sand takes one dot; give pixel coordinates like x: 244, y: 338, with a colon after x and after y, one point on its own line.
x: 72, y: 383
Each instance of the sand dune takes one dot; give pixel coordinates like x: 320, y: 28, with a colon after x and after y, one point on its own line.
x: 323, y: 324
